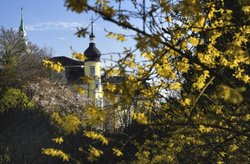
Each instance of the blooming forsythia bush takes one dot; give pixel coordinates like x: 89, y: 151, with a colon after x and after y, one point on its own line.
x: 189, y: 84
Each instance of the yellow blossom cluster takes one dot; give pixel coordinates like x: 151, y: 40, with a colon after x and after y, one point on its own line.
x: 183, y: 65
x: 141, y: 118
x: 79, y: 56
x: 96, y: 136
x: 58, y: 140
x: 79, y: 89
x: 93, y: 116
x: 119, y: 37
x: 164, y: 69
x: 94, y: 153
x: 175, y: 86
x: 186, y: 102
x: 210, y: 56
x: 233, y: 148
x: 239, y: 74
x: 200, y: 83
x: 148, y: 55
x: 130, y: 63
x: 231, y: 95
x: 110, y: 87
x: 204, y: 129
x: 69, y: 123
x: 54, y: 66
x: 86, y: 79
x: 56, y: 153
x: 113, y: 72
x: 117, y: 152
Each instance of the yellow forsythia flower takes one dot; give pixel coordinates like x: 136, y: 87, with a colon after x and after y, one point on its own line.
x: 204, y: 129
x: 95, y: 152
x: 117, y: 152
x: 164, y: 70
x: 86, y: 79
x: 54, y: 66
x: 186, y: 102
x: 168, y: 19
x: 93, y: 116
x: 220, y: 162
x: 56, y: 153
x: 148, y: 55
x: 175, y: 86
x: 119, y: 37
x: 79, y: 89
x: 70, y: 123
x: 233, y: 147
x: 110, y: 87
x: 79, y: 56
x: 201, y: 80
x: 183, y: 65
x: 193, y: 41
x: 130, y: 64
x: 113, y: 72
x: 246, y: 9
x: 80, y: 149
x: 58, y: 140
x: 96, y: 136
x: 140, y: 118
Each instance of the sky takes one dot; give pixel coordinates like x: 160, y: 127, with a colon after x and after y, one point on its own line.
x: 49, y: 24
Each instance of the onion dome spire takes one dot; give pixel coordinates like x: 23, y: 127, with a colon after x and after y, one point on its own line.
x: 92, y: 53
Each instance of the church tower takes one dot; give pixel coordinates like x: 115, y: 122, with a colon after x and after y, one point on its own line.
x: 21, y: 30
x: 92, y: 66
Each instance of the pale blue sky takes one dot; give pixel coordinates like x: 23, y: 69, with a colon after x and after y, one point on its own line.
x: 49, y: 24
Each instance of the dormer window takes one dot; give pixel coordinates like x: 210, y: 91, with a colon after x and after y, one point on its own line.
x: 92, y: 70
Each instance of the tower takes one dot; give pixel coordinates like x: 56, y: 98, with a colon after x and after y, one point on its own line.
x: 92, y: 66
x: 21, y: 30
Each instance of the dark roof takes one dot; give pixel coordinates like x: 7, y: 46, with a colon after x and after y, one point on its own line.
x: 73, y: 74
x: 112, y: 79
x: 92, y: 53
x: 65, y: 61
x: 73, y: 69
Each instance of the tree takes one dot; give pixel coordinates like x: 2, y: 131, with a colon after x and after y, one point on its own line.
x: 54, y: 97
x: 19, y: 62
x: 198, y: 50
x: 21, y: 121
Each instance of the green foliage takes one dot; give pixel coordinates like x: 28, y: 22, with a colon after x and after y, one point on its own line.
x: 15, y: 98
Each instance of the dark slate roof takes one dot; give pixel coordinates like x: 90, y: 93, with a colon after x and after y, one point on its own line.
x: 112, y: 79
x: 92, y: 53
x: 73, y: 69
x: 65, y: 61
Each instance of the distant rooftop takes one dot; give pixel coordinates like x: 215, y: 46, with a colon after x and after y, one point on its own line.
x: 75, y: 69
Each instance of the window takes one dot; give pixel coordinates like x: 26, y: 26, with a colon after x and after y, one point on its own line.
x: 92, y: 70
x: 98, y: 83
x: 99, y: 102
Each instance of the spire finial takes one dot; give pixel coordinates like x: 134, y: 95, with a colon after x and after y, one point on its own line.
x: 92, y: 22
x: 21, y: 13
x: 92, y: 36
